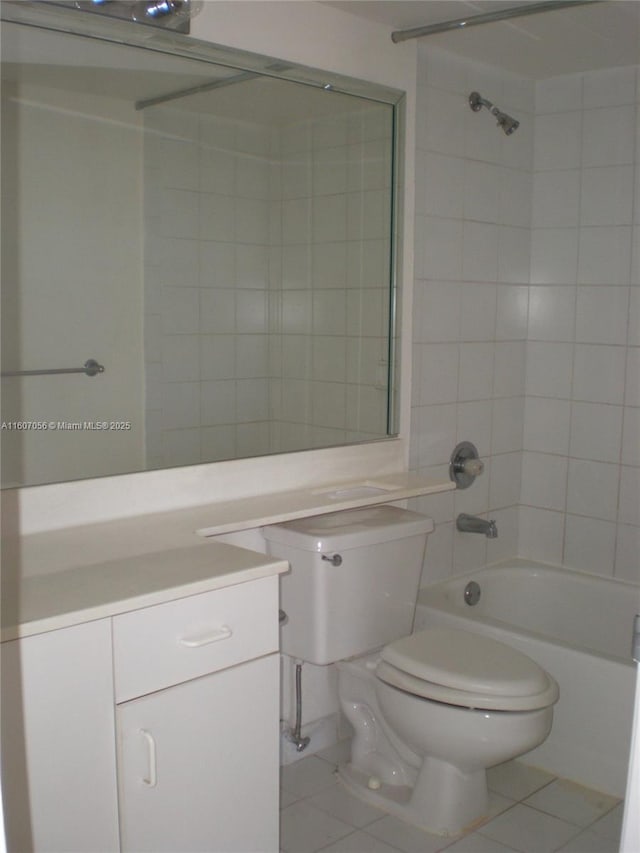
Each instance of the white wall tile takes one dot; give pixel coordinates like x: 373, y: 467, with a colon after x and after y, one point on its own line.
x: 629, y: 509
x: 544, y: 480
x: 632, y: 389
x: 180, y: 358
x: 512, y: 312
x: 180, y: 404
x: 514, y: 255
x: 439, y: 373
x: 505, y: 480
x: 552, y: 313
x: 593, y: 489
x: 627, y: 550
x: 556, y: 199
x: 481, y: 191
x: 442, y: 248
x: 604, y: 255
x: 554, y: 256
x: 549, y: 369
x: 633, y: 338
x: 590, y: 545
x: 598, y: 373
x: 476, y: 371
x: 507, y: 432
x: 539, y: 413
x: 478, y: 312
x: 608, y: 136
x: 436, y: 429
x: 446, y: 134
x: 217, y: 310
x: 509, y: 369
x: 596, y: 431
x: 559, y: 94
x: 480, y: 252
x: 606, y: 196
x: 541, y: 534
x: 444, y: 186
x: 218, y: 402
x: 557, y: 141
x: 437, y: 311
x: 601, y: 315
x: 609, y: 87
x: 631, y: 437
x: 474, y: 424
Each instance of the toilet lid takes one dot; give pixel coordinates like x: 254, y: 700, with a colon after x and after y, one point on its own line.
x: 466, y: 669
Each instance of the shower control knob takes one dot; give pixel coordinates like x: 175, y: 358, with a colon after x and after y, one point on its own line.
x: 465, y: 464
x: 474, y: 467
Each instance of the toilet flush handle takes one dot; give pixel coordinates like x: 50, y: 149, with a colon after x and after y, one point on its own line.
x: 334, y: 559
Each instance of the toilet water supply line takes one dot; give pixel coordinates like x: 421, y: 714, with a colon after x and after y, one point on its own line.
x: 294, y: 735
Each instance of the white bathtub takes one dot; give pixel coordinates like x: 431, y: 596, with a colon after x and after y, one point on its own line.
x: 578, y: 627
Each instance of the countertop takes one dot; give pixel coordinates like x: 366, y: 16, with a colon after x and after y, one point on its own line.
x: 63, y: 577
x: 61, y: 599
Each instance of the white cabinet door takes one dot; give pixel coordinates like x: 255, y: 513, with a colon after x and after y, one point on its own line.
x: 58, y: 757
x: 198, y: 764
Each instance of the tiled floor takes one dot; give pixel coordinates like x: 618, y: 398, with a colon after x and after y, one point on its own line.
x: 532, y: 812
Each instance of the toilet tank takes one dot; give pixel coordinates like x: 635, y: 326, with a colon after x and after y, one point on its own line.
x: 353, y: 582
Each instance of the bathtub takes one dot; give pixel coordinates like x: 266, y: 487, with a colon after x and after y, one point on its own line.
x: 578, y: 627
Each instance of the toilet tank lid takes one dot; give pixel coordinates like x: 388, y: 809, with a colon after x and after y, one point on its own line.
x: 349, y: 528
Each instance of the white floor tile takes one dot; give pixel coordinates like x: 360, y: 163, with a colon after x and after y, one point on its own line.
x: 610, y: 826
x: 529, y: 831
x: 359, y: 842
x: 571, y: 802
x: 305, y: 829
x: 589, y: 842
x: 517, y: 780
x: 405, y: 837
x: 341, y: 804
x: 287, y: 799
x: 475, y: 843
x: 308, y: 776
x: 337, y: 753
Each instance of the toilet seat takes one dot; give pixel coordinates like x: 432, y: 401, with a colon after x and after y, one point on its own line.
x: 466, y: 669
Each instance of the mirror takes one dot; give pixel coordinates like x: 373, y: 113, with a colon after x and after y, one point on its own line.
x: 211, y: 234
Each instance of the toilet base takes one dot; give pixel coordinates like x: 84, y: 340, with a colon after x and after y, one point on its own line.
x: 443, y: 800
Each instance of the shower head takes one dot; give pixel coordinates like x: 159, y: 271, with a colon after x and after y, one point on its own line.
x: 506, y: 122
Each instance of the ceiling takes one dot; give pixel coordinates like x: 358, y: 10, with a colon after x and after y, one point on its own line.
x: 583, y: 38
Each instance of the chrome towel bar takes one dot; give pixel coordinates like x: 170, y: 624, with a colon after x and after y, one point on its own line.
x: 90, y: 368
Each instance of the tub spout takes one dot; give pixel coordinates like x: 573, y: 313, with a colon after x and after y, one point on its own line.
x: 473, y: 524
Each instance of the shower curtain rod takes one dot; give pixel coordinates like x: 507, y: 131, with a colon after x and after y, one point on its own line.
x: 487, y: 18
x: 220, y: 83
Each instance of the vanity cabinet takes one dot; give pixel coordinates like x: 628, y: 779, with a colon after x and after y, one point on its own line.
x: 198, y: 752
x: 154, y: 729
x: 58, y: 756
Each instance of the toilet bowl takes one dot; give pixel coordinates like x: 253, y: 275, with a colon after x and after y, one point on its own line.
x: 431, y: 711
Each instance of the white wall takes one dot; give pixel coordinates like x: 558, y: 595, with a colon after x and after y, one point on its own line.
x: 581, y: 465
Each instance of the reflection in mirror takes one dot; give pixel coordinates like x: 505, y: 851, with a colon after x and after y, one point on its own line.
x: 218, y: 240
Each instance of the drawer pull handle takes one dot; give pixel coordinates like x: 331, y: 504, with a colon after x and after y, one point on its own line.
x: 152, y: 777
x: 221, y: 633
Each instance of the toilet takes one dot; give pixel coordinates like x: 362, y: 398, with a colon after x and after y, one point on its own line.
x: 431, y: 711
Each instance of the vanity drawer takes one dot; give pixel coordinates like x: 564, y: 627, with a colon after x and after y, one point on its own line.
x: 174, y: 642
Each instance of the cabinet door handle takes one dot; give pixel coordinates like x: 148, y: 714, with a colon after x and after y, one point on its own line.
x: 221, y: 633
x: 152, y: 777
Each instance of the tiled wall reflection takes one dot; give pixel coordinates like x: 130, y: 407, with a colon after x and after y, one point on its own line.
x: 266, y: 283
